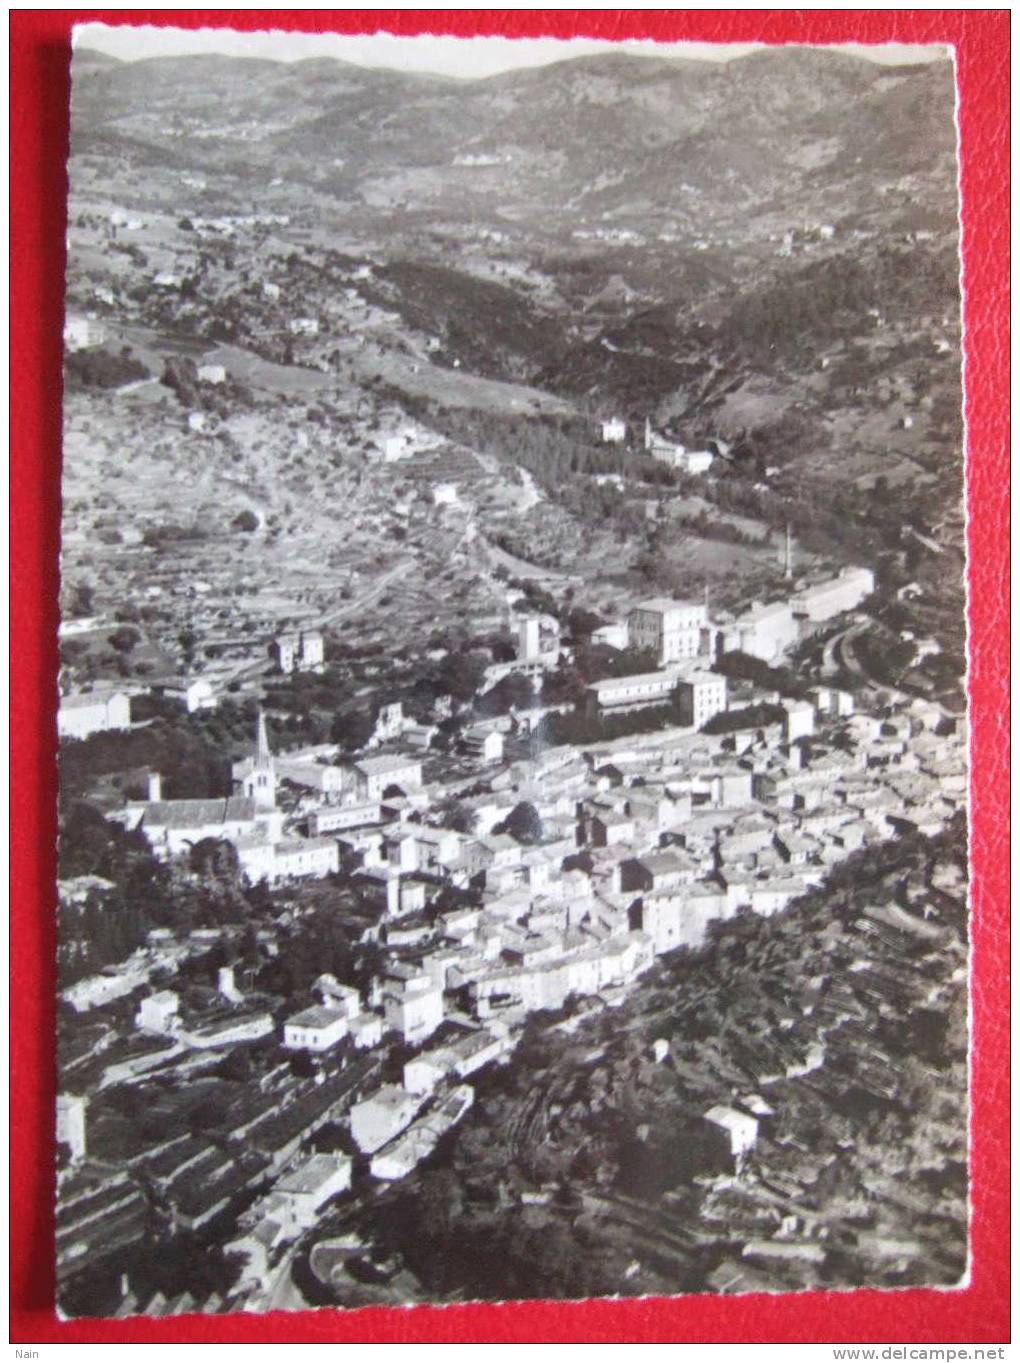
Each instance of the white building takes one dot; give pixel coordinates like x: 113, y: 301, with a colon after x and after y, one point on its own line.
x: 834, y: 596
x: 423, y: 1073
x: 342, y: 997
x: 212, y: 373
x: 229, y: 1032
x: 377, y: 1119
x: 196, y: 693
x: 82, y: 333
x: 613, y: 431
x: 314, y: 1183
x: 158, y: 1012
x: 284, y: 650
x: 366, y: 1030
x: 344, y: 818
x: 740, y: 1127
x: 764, y: 632
x: 261, y: 857
x: 484, y: 746
x: 633, y: 693
x: 696, y: 461
x: 675, y: 455
x: 612, y: 636
x: 312, y: 773
x: 799, y: 721
x: 671, y: 629
x: 98, y: 990
x: 373, y: 776
x: 529, y: 638
x: 315, y: 1029
x: 703, y: 695
x: 389, y: 723
x: 414, y: 1010
x: 301, y: 651
x: 312, y: 652
x: 93, y: 712
x: 831, y: 703
x: 445, y: 494
x: 71, y: 1109
x: 677, y: 919
x: 417, y: 1143
x: 299, y: 858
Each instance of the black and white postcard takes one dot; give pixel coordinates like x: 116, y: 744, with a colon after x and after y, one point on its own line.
x: 513, y: 835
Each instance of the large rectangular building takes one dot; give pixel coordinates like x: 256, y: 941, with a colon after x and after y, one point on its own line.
x: 632, y: 693
x: 764, y: 632
x: 671, y: 629
x: 833, y: 597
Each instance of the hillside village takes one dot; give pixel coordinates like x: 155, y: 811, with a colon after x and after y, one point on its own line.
x: 506, y: 717
x: 516, y: 879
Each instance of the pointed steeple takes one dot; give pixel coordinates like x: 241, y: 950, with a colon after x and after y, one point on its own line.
x: 263, y: 755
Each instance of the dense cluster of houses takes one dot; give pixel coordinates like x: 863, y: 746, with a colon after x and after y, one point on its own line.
x: 638, y: 846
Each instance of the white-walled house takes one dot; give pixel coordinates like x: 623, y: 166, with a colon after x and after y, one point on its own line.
x: 93, y: 712
x: 315, y: 1029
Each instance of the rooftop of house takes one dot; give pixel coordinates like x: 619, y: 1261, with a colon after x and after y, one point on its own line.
x: 379, y: 766
x: 610, y: 684
x: 83, y: 700
x: 764, y: 610
x: 312, y: 1174
x: 663, y: 863
x: 197, y: 813
x: 390, y: 1096
x: 317, y: 1016
x: 665, y: 603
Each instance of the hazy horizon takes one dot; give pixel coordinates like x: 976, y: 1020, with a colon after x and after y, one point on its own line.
x: 447, y: 55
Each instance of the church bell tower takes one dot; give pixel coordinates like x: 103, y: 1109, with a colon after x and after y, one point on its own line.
x: 259, y: 781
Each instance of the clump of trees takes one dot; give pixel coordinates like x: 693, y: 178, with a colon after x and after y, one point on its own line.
x: 100, y: 368
x: 750, y: 717
x: 745, y: 667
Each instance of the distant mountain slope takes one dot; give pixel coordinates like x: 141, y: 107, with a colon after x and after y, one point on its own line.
x: 612, y: 227
x: 637, y: 128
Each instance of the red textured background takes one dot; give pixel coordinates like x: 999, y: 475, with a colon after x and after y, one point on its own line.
x: 40, y: 57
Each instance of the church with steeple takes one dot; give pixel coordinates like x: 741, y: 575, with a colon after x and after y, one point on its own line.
x: 255, y: 777
x: 249, y: 819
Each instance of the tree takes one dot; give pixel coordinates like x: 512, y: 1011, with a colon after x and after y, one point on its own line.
x: 582, y: 623
x: 524, y: 823
x: 86, y: 838
x: 72, y: 651
x: 187, y: 639
x: 510, y: 693
x: 124, y: 639
x: 456, y: 816
x: 82, y: 600
x: 351, y: 729
x: 180, y: 374
x: 460, y: 675
x: 215, y: 859
x: 440, y: 1202
x: 245, y: 521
